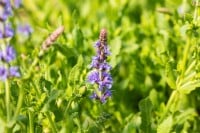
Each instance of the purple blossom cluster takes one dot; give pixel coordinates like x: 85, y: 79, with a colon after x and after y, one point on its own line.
x: 6, y: 57
x: 6, y: 11
x: 7, y: 52
x: 24, y: 29
x: 100, y: 73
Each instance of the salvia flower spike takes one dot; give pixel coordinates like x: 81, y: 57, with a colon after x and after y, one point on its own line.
x: 100, y: 74
x: 52, y: 38
x: 7, y: 52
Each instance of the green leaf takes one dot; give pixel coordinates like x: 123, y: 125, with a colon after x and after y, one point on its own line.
x: 45, y: 84
x: 185, y: 115
x: 188, y: 17
x: 115, y: 48
x: 133, y: 123
x: 189, y: 86
x: 66, y: 51
x: 146, y: 108
x: 75, y: 72
x: 170, y: 75
x: 78, y: 36
x: 166, y: 125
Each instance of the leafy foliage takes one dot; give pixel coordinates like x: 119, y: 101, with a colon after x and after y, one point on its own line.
x: 155, y: 56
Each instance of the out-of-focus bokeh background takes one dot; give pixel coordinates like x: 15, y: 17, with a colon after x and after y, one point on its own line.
x: 146, y: 38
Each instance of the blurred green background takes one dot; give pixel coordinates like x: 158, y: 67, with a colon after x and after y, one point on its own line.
x: 146, y: 39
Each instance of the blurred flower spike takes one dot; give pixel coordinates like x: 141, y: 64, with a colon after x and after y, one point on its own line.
x: 7, y: 52
x: 25, y: 29
x: 52, y: 38
x: 5, y: 9
x: 100, y: 73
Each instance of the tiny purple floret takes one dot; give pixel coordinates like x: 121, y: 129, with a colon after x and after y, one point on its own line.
x: 3, y: 73
x: 9, y: 54
x: 14, y: 71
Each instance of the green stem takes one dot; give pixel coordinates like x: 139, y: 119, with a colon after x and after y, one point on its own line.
x: 30, y: 71
x: 53, y: 126
x: 68, y: 105
x: 36, y: 89
x: 19, y: 103
x: 7, y: 100
x: 196, y: 12
x: 31, y: 130
x: 172, y: 101
x: 185, y: 56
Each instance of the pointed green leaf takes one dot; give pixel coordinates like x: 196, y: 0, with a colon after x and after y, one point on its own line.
x: 115, y: 48
x: 64, y: 50
x: 78, y: 36
x: 189, y: 86
x: 76, y: 71
x: 166, y: 125
x: 185, y: 115
x: 146, y: 108
x: 170, y: 75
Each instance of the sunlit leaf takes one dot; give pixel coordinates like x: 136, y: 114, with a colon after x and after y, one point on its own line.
x: 166, y: 125
x: 146, y: 112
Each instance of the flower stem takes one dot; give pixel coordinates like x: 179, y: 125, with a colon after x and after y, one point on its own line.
x: 31, y: 130
x: 30, y: 70
x: 173, y: 100
x: 19, y: 102
x: 7, y: 100
x: 53, y: 126
x: 185, y: 56
x: 196, y: 12
x: 68, y: 105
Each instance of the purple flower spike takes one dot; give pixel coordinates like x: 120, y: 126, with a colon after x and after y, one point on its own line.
x: 14, y: 72
x: 7, y: 52
x: 3, y: 73
x: 100, y: 75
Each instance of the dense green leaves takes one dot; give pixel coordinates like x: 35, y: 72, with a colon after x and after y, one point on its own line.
x: 116, y: 45
x: 155, y: 63
x: 74, y: 75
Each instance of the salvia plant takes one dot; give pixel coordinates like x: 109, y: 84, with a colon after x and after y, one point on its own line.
x: 100, y: 75
x: 141, y: 76
x: 7, y: 56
